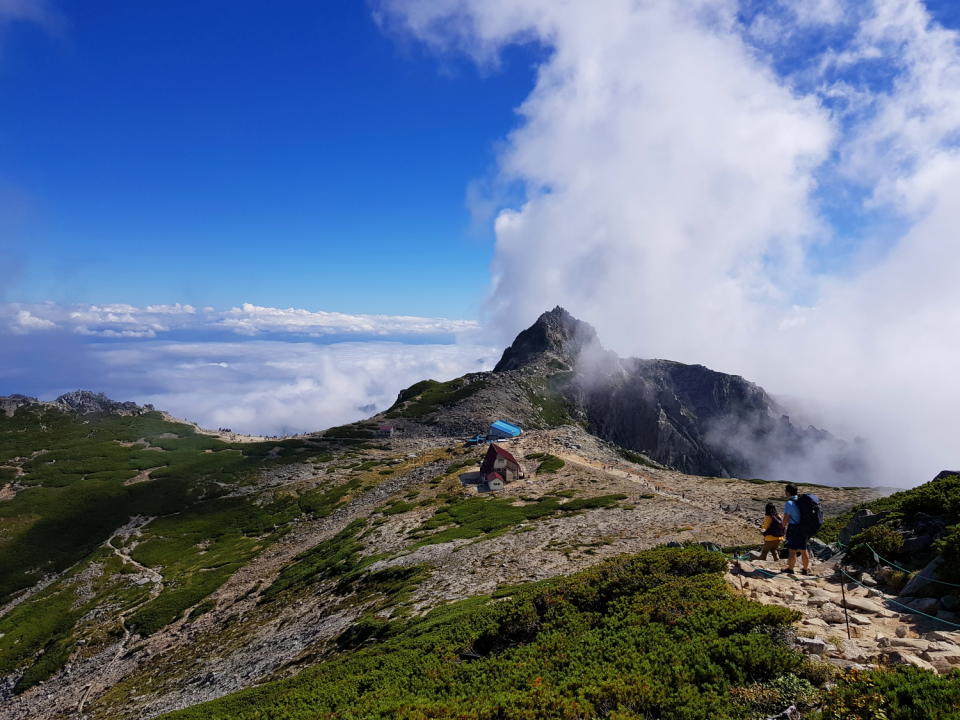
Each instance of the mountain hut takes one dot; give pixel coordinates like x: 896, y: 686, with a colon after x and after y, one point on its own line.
x: 499, y: 467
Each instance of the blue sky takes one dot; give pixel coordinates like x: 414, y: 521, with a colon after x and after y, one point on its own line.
x: 214, y: 153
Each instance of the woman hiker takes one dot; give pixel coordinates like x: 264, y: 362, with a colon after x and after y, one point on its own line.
x: 772, y: 529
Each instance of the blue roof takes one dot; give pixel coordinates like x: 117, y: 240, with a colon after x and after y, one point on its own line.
x: 506, y: 427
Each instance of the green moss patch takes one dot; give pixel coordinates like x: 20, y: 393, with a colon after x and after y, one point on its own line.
x: 428, y: 396
x: 550, y: 464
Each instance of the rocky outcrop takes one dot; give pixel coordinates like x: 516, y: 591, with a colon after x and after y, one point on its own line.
x: 686, y: 416
x: 9, y: 404
x: 78, y: 402
x: 556, y: 334
x: 85, y: 402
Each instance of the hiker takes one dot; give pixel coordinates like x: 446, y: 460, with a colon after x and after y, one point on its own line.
x: 803, y: 517
x: 772, y: 529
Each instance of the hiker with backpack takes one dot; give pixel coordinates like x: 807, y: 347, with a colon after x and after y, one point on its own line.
x: 773, y: 531
x: 803, y: 517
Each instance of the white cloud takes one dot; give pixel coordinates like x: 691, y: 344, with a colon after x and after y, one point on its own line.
x: 270, y: 387
x: 120, y: 320
x: 25, y: 322
x: 677, y: 168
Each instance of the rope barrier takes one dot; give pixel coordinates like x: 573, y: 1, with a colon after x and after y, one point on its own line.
x: 871, y: 590
x: 895, y: 602
x: 880, y: 558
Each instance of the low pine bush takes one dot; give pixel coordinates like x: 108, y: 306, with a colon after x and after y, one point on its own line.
x: 654, y: 635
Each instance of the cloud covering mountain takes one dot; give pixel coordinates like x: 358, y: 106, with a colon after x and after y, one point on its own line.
x: 770, y: 189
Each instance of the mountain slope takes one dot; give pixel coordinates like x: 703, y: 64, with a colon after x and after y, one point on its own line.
x: 685, y: 416
x: 272, y: 557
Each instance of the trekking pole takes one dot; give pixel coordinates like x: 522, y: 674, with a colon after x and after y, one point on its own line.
x: 843, y: 594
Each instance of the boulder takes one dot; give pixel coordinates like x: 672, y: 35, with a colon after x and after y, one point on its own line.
x: 950, y: 602
x: 925, y: 605
x: 868, y: 580
x: 791, y: 713
x: 949, y: 616
x: 922, y: 584
x: 821, y: 550
x: 861, y: 520
x: 832, y: 614
x: 900, y: 657
x: 917, y: 644
x: 811, y: 645
x: 868, y: 606
x: 941, y: 663
x: 916, y: 544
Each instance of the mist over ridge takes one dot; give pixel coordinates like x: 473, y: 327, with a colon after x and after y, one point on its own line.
x: 697, y: 192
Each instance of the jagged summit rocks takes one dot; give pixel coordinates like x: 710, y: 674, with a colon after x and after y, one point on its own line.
x: 556, y: 333
x: 79, y: 402
x: 84, y: 402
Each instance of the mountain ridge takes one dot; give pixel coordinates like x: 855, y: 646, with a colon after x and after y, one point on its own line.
x: 688, y: 417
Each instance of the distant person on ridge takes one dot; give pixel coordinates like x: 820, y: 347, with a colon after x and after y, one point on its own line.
x: 803, y: 517
x: 772, y: 529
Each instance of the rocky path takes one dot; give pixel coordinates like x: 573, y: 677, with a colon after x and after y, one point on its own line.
x: 124, y: 534
x: 268, y: 643
x: 878, y: 634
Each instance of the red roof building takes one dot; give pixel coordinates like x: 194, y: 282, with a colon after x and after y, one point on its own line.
x: 499, y: 461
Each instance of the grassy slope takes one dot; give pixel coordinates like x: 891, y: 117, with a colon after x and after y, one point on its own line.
x: 74, y: 498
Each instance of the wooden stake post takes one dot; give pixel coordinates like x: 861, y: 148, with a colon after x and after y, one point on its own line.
x: 843, y: 594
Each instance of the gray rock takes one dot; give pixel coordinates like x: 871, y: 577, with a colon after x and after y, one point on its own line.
x: 868, y: 606
x: 917, y: 644
x: 949, y: 615
x: 868, y: 580
x: 682, y: 416
x: 916, y: 544
x: 791, y: 713
x: 950, y: 602
x: 832, y: 613
x: 861, y: 520
x: 822, y: 550
x: 925, y: 605
x: 921, y: 584
x: 811, y: 645
x: 901, y: 657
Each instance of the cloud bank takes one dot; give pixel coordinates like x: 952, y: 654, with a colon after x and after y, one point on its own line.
x: 278, y: 388
x: 128, y: 321
x: 771, y: 189
x: 255, y: 386
x: 257, y: 370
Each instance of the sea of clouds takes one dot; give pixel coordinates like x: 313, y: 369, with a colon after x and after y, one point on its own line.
x: 256, y: 370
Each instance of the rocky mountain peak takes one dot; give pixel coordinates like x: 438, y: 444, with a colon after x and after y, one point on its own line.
x: 84, y: 402
x: 555, y: 332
